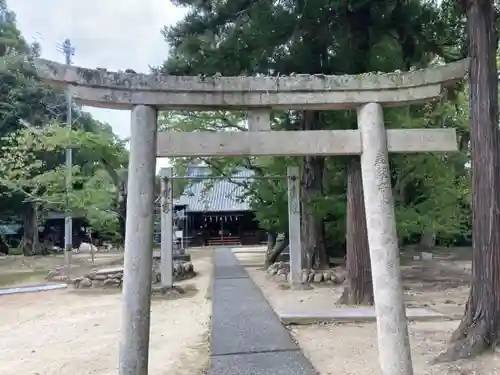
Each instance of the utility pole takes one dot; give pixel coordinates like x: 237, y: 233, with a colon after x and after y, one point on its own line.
x: 3, y: 17
x: 68, y: 51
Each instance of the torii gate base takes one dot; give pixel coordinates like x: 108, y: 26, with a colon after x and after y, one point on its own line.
x: 144, y: 94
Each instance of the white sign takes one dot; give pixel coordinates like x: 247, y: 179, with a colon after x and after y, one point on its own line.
x: 178, y: 234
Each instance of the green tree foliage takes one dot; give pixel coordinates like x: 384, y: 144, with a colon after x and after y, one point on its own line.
x: 430, y: 192
x: 339, y: 37
x: 31, y: 144
x: 267, y: 197
x: 242, y: 38
x: 22, y: 95
x: 31, y: 169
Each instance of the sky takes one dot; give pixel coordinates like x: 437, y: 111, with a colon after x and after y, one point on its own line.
x: 111, y: 34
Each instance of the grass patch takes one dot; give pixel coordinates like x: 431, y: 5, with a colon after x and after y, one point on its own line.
x: 12, y: 278
x: 15, y: 251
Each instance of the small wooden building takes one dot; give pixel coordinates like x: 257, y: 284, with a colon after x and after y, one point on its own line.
x: 213, y: 212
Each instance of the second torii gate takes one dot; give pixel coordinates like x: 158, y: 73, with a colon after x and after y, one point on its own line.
x: 144, y: 95
x: 293, y: 193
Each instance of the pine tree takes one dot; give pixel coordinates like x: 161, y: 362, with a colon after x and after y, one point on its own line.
x: 315, y: 37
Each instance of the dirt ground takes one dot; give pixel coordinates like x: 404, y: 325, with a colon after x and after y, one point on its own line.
x: 441, y: 284
x: 69, y: 332
x: 19, y: 270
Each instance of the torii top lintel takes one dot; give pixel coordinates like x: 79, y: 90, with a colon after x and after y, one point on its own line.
x: 100, y: 88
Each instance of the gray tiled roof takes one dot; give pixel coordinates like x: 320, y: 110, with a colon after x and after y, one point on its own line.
x: 221, y: 195
x: 9, y: 229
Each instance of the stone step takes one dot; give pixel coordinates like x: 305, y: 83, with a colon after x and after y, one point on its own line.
x: 355, y: 315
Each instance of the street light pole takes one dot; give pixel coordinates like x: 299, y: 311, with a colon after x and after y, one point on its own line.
x: 68, y: 51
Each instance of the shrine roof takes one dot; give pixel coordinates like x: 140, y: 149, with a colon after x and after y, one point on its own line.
x: 221, y: 195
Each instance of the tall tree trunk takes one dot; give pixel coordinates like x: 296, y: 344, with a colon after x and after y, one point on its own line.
x: 312, y: 233
x: 428, y: 239
x: 4, y: 247
x: 277, y: 249
x: 480, y: 325
x: 120, y: 183
x: 359, y: 288
x: 122, y: 209
x: 29, y: 242
x: 271, y: 241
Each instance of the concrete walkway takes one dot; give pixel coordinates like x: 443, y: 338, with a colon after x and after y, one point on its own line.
x: 247, y: 336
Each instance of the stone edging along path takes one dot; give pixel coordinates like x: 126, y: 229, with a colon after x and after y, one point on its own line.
x: 31, y: 289
x: 247, y: 335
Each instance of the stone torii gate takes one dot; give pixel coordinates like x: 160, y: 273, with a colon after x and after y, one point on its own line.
x: 145, y: 94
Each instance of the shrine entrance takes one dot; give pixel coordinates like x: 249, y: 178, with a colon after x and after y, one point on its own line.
x: 226, y: 223
x: 214, y: 210
x: 367, y: 93
x: 222, y: 228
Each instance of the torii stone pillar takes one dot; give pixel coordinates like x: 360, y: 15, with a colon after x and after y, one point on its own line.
x: 367, y: 93
x: 393, y: 340
x: 134, y: 333
x: 166, y: 229
x: 295, y: 242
